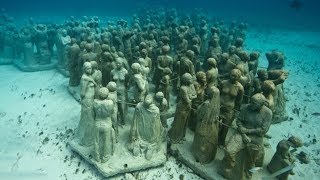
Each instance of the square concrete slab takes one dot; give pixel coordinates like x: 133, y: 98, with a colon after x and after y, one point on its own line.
x: 122, y: 161
x: 32, y: 68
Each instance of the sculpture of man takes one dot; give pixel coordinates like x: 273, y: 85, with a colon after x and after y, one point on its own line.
x: 253, y: 123
x: 146, y: 131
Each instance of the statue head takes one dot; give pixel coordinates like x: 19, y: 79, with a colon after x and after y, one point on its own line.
x: 87, y: 68
x: 165, y: 49
x: 159, y: 96
x: 187, y: 79
x: 268, y: 86
x: 136, y: 68
x: 212, y: 62
x: 94, y: 65
x: 112, y: 86
x: 235, y: 75
x: 257, y: 101
x: 103, y: 93
x: 148, y: 100
x: 262, y: 74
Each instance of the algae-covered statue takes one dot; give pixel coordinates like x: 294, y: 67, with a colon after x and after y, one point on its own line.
x: 104, y: 135
x: 231, y: 94
x: 139, y: 84
x: 147, y: 132
x: 205, y: 142
x: 253, y: 123
x: 283, y: 157
x: 186, y: 94
x: 87, y: 92
x: 120, y: 76
x: 73, y: 63
x: 40, y: 39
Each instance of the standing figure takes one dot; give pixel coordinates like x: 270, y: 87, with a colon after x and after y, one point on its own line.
x: 120, y: 76
x: 162, y: 103
x: 186, y: 94
x: 41, y: 38
x: 104, y: 141
x: 112, y: 87
x: 63, y: 40
x: 73, y: 63
x: 87, y: 91
x: 253, y: 123
x: 205, y: 141
x: 231, y: 94
x: 146, y: 131
x: 139, y: 83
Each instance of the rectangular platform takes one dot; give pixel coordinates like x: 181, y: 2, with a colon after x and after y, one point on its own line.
x: 122, y: 161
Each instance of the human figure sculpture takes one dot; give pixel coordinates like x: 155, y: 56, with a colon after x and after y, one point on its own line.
x: 139, y: 83
x: 231, y: 94
x: 283, y: 158
x: 87, y: 93
x: 253, y: 62
x: 73, y: 63
x: 113, y: 95
x: 205, y: 141
x: 212, y: 73
x: 104, y: 135
x: 28, y: 54
x: 161, y: 102
x: 275, y: 60
x: 225, y: 65
x: 164, y: 61
x: 40, y: 38
x: 146, y: 131
x: 186, y: 94
x: 200, y: 85
x: 253, y: 123
x: 96, y: 76
x: 62, y: 44
x: 164, y: 85
x: 120, y: 76
x: 106, y: 66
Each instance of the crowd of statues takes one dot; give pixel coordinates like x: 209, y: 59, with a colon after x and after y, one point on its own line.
x: 157, y: 56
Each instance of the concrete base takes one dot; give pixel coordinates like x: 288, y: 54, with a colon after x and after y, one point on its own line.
x: 74, y: 92
x: 122, y: 161
x: 210, y: 171
x: 5, y: 61
x: 32, y: 68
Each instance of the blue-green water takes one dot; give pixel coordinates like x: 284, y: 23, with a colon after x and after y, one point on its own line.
x: 268, y: 12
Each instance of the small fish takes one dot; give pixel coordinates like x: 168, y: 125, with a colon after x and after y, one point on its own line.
x: 316, y: 114
x: 255, y: 169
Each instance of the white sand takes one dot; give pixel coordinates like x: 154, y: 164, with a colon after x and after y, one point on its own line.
x: 25, y: 155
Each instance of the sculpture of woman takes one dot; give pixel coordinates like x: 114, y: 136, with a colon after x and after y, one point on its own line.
x: 120, y: 76
x: 139, y: 83
x: 205, y: 142
x: 186, y: 94
x: 86, y: 124
x: 231, y: 94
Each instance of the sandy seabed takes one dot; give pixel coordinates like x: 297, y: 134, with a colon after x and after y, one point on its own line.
x: 38, y: 116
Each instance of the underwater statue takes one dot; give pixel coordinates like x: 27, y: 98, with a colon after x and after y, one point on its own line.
x: 104, y: 135
x: 147, y: 132
x: 73, y: 63
x: 187, y: 93
x: 253, y: 123
x: 40, y: 39
x: 205, y: 141
x: 87, y: 93
x: 283, y: 158
x: 231, y: 95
